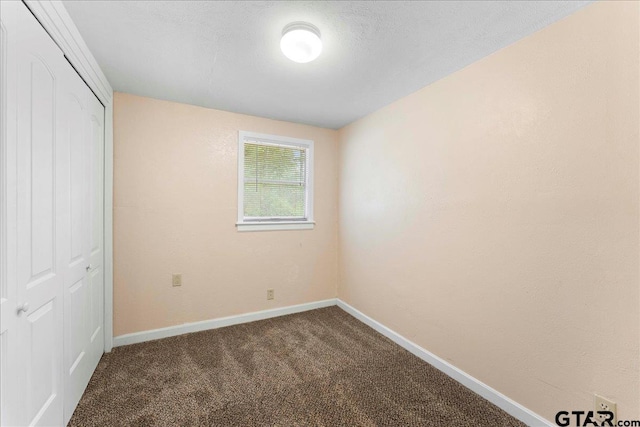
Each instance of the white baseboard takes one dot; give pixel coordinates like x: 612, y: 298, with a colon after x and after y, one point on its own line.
x: 500, y: 400
x: 171, y: 331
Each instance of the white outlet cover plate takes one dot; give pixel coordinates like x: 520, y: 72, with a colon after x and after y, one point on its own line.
x: 604, y: 404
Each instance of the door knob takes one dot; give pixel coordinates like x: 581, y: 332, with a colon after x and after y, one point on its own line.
x: 23, y: 308
x: 88, y: 267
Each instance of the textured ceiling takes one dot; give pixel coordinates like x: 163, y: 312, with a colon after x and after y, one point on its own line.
x: 226, y: 55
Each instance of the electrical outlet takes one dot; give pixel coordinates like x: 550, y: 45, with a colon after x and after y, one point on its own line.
x: 177, y: 280
x: 603, y: 404
x: 270, y: 293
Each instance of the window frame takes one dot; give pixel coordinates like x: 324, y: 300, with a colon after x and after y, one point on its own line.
x: 276, y: 223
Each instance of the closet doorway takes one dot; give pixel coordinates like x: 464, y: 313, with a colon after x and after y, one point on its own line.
x: 52, y: 293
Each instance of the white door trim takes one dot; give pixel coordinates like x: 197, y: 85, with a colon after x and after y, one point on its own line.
x: 55, y: 19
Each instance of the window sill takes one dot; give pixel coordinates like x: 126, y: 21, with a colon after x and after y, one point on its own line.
x: 275, y: 225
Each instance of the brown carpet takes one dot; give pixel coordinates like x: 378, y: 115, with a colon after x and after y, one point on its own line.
x: 318, y: 368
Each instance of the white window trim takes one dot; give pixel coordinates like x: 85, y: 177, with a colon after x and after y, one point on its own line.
x: 269, y: 225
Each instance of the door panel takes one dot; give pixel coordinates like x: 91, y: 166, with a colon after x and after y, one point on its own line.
x: 84, y: 289
x: 10, y: 405
x: 75, y: 295
x: 38, y: 278
x: 96, y: 272
x: 96, y: 279
x: 78, y: 366
x: 42, y: 365
x: 75, y: 309
x: 36, y: 166
x: 41, y: 154
x: 39, y: 224
x: 76, y: 134
x: 83, y: 284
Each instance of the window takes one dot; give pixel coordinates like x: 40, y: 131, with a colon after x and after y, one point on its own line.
x: 275, y: 183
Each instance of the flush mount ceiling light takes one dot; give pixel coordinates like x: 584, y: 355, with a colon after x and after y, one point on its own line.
x: 301, y: 42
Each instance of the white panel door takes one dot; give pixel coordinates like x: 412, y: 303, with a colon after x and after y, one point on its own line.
x: 36, y: 183
x: 83, y: 284
x: 76, y: 288
x: 8, y: 298
x: 96, y: 235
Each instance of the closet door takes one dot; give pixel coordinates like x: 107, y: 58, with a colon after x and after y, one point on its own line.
x: 36, y: 191
x: 96, y: 236
x: 76, y: 288
x: 83, y: 283
x: 8, y: 298
x: 51, y: 280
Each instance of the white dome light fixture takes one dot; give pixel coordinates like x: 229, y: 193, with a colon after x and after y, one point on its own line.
x: 301, y: 42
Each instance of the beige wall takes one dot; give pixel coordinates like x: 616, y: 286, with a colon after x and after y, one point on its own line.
x: 175, y: 209
x: 492, y: 217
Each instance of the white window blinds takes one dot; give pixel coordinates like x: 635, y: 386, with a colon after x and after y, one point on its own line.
x: 275, y: 182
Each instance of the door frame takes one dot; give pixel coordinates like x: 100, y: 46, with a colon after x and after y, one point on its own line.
x: 55, y: 19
